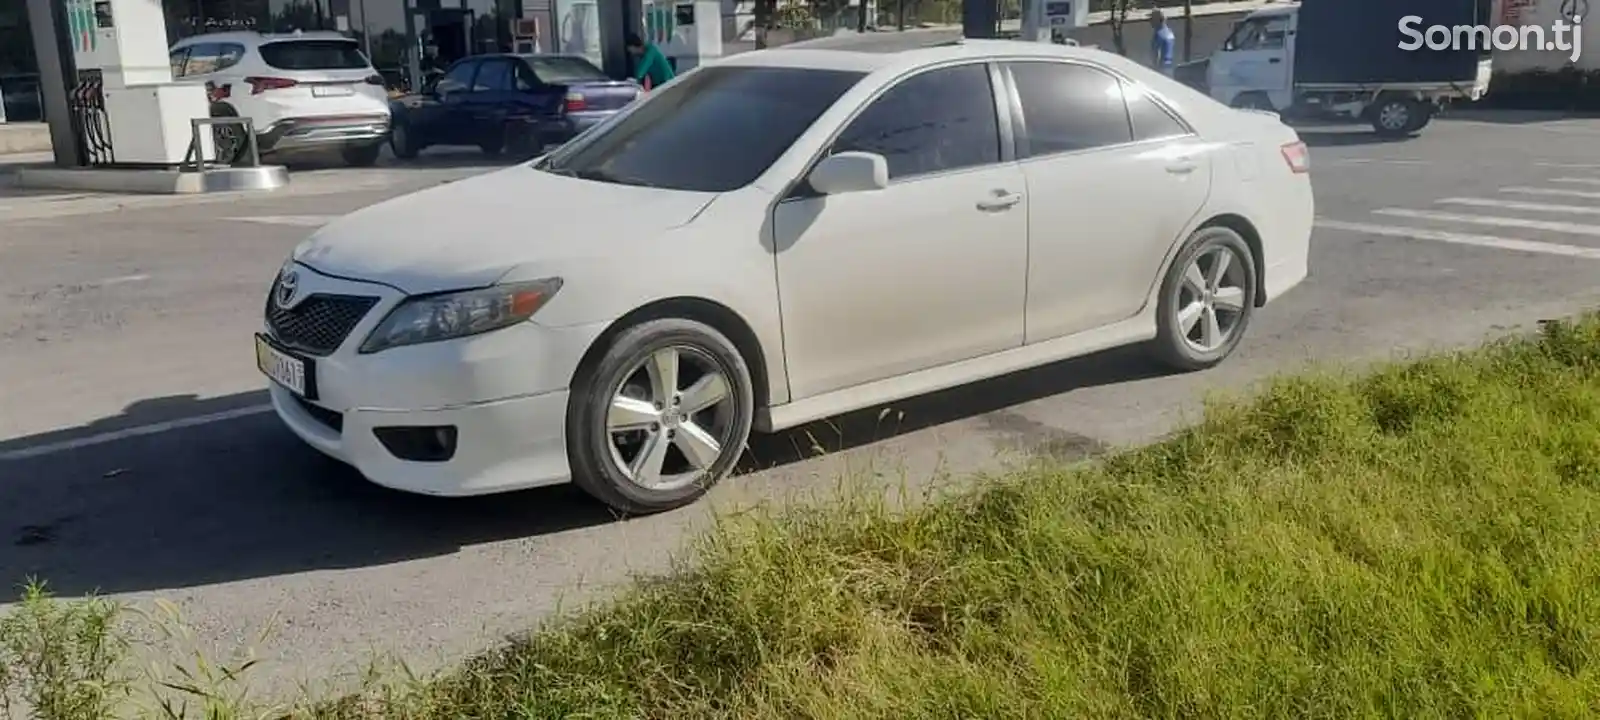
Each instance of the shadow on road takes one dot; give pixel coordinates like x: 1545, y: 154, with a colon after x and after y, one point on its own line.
x: 217, y: 491
x: 1362, y: 135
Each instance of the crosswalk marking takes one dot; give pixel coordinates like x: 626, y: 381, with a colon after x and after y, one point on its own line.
x: 1557, y: 192
x: 1487, y: 241
x: 1577, y: 180
x: 1545, y: 225
x: 1518, y: 205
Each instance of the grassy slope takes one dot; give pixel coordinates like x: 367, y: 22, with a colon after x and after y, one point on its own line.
x: 1420, y: 542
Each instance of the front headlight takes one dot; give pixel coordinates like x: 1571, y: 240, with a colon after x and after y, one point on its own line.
x: 432, y: 318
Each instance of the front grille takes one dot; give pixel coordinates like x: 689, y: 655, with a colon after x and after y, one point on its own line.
x: 320, y: 323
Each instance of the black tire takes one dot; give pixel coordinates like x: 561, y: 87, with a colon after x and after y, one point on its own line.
x: 1398, y: 116
x: 403, y: 143
x: 494, y: 147
x: 231, y: 144
x: 1171, y: 347
x: 362, y: 156
x: 589, y: 444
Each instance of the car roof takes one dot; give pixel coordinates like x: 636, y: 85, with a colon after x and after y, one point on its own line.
x: 870, y: 52
x: 251, y: 37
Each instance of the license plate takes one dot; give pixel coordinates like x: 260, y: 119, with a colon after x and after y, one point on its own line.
x: 332, y: 90
x: 283, y: 368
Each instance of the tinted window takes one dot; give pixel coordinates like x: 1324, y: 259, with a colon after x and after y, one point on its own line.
x: 1150, y: 120
x: 715, y: 129
x: 177, y: 60
x: 314, y: 55
x: 931, y: 122
x: 458, y: 79
x: 1070, y: 107
x: 494, y: 75
x: 206, y: 58
x: 559, y: 70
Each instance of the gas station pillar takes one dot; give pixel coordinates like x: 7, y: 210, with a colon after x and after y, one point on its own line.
x: 57, y: 77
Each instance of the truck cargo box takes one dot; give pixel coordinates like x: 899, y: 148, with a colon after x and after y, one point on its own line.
x: 1358, y: 42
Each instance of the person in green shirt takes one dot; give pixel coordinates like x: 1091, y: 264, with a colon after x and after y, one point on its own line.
x: 650, y: 65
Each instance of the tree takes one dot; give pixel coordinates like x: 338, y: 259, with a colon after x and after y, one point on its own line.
x: 1119, y: 17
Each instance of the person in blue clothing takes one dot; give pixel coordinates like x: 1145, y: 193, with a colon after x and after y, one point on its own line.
x: 1162, y: 42
x: 650, y: 64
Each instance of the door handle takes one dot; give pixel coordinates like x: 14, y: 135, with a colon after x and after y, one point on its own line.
x: 1275, y: 61
x: 1002, y: 200
x: 1181, y: 166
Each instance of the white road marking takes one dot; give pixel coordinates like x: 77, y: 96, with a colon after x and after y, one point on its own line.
x: 1517, y: 205
x: 1494, y: 220
x: 1558, y: 192
x: 1577, y: 181
x: 1487, y: 241
x: 1570, y: 166
x: 295, y: 220
x: 139, y: 431
x: 1371, y: 161
x: 123, y: 280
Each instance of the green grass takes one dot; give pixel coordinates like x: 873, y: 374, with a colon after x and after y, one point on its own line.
x: 1418, y: 542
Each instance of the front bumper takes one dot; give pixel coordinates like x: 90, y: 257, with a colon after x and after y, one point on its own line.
x: 307, y: 133
x: 501, y: 395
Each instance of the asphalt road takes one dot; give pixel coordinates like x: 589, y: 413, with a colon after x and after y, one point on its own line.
x: 135, y: 458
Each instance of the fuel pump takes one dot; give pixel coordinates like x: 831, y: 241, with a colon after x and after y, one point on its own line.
x: 126, y: 107
x: 1050, y: 20
x: 688, y: 33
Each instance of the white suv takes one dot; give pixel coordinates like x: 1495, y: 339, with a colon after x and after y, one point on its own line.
x: 302, y: 91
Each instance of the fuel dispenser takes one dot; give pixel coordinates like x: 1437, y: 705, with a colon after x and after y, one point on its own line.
x: 688, y: 33
x: 127, y: 109
x: 1047, y: 20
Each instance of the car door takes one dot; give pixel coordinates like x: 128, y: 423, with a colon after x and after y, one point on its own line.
x: 436, y: 116
x: 1254, y: 59
x: 493, y: 95
x: 924, y: 272
x: 1115, y: 177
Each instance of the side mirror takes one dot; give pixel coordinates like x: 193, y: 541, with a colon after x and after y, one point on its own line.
x: 849, y: 172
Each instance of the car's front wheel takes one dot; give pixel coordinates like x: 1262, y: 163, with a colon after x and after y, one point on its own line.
x: 1206, y: 302
x: 661, y: 417
x: 403, y: 141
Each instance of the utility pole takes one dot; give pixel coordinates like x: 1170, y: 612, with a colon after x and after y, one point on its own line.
x: 1188, y: 28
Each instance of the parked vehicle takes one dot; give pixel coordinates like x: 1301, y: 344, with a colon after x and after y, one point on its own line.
x: 1341, y: 59
x: 776, y: 238
x: 508, y: 103
x: 303, y: 92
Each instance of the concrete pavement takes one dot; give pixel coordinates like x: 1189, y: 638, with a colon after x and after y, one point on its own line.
x: 136, y: 459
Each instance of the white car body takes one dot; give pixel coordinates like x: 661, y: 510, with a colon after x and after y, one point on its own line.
x: 322, y: 93
x: 836, y: 303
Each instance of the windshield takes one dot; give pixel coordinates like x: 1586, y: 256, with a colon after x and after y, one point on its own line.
x: 314, y: 55
x: 713, y: 130
x: 558, y: 70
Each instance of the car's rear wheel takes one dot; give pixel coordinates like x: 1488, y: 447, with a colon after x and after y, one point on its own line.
x: 229, y: 139
x: 362, y: 155
x: 661, y: 418
x: 1206, y: 302
x: 403, y: 142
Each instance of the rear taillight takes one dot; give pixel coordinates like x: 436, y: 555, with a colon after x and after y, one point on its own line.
x: 575, y: 102
x: 217, y: 93
x: 1298, y: 157
x: 260, y: 85
x: 374, y: 80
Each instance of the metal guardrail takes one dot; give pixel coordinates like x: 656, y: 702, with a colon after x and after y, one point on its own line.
x: 195, y: 157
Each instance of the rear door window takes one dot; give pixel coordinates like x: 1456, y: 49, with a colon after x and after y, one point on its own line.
x: 314, y: 55
x: 560, y: 70
x: 494, y: 75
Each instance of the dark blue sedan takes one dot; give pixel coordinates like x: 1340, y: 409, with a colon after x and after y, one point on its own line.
x: 516, y: 104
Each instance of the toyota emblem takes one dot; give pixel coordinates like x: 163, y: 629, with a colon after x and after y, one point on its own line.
x: 288, y: 285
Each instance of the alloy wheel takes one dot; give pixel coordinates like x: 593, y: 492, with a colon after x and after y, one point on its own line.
x: 1211, y: 299
x: 670, y: 418
x: 1394, y: 115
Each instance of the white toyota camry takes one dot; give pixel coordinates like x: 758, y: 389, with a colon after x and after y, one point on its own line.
x: 775, y: 238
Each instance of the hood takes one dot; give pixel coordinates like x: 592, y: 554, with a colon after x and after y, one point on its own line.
x: 469, y: 233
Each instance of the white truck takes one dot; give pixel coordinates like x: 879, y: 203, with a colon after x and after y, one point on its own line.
x: 1343, y: 59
